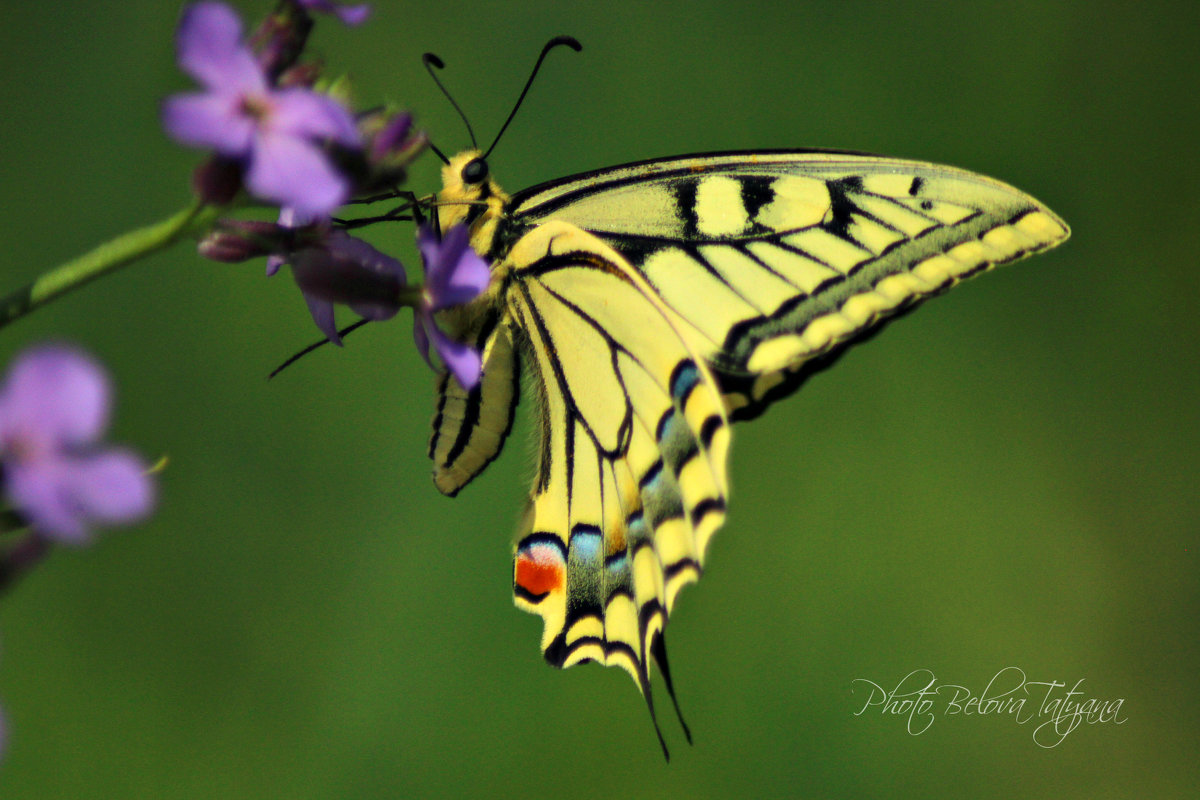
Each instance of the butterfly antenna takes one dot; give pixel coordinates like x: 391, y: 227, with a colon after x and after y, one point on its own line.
x: 430, y: 61
x: 568, y: 41
x: 437, y: 152
x: 343, y: 333
x: 658, y: 649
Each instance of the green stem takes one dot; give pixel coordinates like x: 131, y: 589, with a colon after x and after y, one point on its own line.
x: 109, y: 256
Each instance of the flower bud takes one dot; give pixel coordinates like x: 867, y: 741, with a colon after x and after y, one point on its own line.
x: 217, y: 180
x: 391, y: 146
x: 304, y: 75
x: 234, y: 240
x: 280, y: 39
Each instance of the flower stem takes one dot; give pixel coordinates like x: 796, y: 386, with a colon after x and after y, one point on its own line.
x: 124, y: 249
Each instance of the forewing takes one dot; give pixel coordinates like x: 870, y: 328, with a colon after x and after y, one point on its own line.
x: 773, y: 263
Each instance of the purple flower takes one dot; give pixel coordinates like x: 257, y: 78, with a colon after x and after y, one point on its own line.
x: 392, y: 136
x: 454, y: 274
x: 53, y: 407
x: 342, y: 269
x: 351, y: 15
x: 275, y: 133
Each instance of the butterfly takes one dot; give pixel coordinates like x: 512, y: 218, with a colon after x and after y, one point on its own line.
x: 655, y: 303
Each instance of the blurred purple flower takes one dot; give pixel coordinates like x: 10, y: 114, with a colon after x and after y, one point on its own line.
x: 54, y: 406
x: 351, y: 15
x: 275, y: 133
x: 392, y: 137
x: 342, y: 269
x: 454, y: 274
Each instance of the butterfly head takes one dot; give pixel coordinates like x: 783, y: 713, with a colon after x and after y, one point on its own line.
x: 470, y: 196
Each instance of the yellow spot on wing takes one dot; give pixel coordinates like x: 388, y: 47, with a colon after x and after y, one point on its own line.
x: 934, y: 271
x: 773, y: 355
x: 719, y: 207
x: 1041, y: 226
x: 969, y: 255
x: 798, y: 203
x: 893, y: 185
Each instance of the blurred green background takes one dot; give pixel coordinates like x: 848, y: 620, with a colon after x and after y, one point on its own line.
x: 1007, y: 478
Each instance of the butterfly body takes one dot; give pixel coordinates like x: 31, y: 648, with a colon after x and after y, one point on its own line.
x: 654, y: 303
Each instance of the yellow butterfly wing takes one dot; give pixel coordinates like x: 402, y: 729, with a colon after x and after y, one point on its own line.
x: 631, y: 481
x: 655, y: 302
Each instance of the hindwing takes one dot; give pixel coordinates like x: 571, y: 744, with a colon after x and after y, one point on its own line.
x: 469, y: 427
x: 631, y: 481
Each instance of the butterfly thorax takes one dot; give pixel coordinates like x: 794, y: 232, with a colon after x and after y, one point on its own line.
x: 469, y: 196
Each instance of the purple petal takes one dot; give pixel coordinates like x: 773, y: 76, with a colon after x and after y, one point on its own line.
x: 350, y: 15
x: 322, y: 314
x: 393, y: 134
x: 353, y: 15
x: 41, y: 492
x: 55, y: 394
x: 273, y: 264
x: 440, y: 257
x: 295, y: 173
x: 210, y: 48
x: 454, y: 273
x: 344, y: 246
x: 307, y: 114
x: 469, y: 279
x: 208, y: 120
x: 421, y: 337
x: 348, y: 270
x: 63, y: 495
x: 112, y: 487
x: 376, y: 312
x: 430, y: 247
x: 462, y: 360
x: 288, y: 218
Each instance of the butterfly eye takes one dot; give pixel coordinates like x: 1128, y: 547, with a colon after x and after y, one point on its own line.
x: 475, y: 171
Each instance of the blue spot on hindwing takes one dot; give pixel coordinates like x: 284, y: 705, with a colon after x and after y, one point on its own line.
x: 684, y: 380
x: 586, y: 544
x: 585, y: 574
x: 638, y: 531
